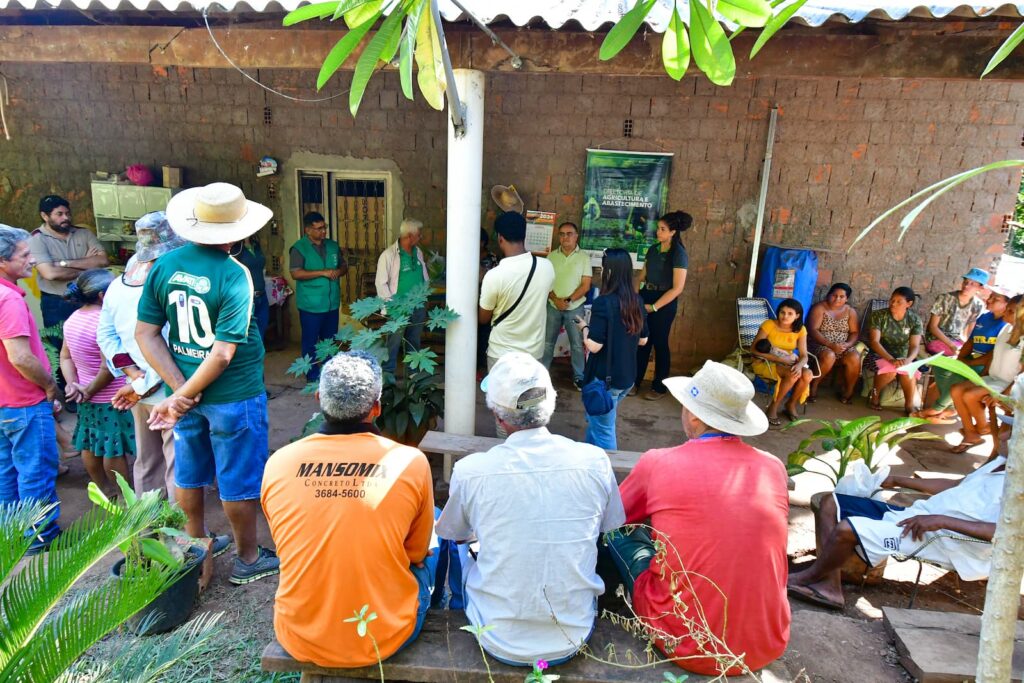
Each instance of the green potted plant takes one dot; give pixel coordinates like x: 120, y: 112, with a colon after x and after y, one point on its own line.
x: 164, y: 542
x: 411, y: 402
x: 866, y: 438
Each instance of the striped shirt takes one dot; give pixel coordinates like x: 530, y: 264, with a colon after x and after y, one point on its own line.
x: 80, y: 337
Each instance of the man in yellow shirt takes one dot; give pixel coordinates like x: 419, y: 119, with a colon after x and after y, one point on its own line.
x: 573, y: 274
x: 352, y: 516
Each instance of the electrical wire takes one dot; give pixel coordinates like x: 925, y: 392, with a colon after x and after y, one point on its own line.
x: 240, y: 70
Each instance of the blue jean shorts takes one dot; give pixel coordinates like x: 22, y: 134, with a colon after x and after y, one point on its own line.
x: 223, y: 440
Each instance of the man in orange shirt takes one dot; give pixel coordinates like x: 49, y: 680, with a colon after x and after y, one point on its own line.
x: 352, y: 516
x: 715, y: 585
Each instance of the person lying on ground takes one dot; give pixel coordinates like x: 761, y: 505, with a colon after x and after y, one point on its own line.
x: 719, y: 512
x: 976, y: 352
x: 537, y: 504
x: 971, y: 401
x: 833, y: 329
x: 951, y: 529
x: 789, y: 372
x: 894, y: 335
x: 352, y: 514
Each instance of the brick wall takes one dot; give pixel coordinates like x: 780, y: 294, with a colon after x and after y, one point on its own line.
x: 845, y: 150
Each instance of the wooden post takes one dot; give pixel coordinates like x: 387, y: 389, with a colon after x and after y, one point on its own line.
x: 999, y: 617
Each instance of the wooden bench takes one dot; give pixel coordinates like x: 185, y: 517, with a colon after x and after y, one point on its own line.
x: 455, y: 446
x: 444, y: 653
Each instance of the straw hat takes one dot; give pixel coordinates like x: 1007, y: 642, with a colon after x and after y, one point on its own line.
x: 507, y: 198
x: 215, y: 214
x: 722, y: 398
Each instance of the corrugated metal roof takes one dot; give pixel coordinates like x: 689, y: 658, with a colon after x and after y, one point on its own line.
x: 590, y: 14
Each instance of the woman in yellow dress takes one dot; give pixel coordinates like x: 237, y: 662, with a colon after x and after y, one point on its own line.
x: 780, y: 350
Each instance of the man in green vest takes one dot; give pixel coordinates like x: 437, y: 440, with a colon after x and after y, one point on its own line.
x: 316, y: 264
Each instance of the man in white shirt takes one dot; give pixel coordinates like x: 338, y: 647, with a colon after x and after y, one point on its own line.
x: 536, y: 504
x: 953, y: 528
x: 514, y: 295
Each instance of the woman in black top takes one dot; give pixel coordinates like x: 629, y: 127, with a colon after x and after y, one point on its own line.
x: 663, y: 277
x: 618, y: 326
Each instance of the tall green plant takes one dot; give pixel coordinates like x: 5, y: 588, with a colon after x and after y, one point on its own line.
x: 409, y: 401
x: 860, y: 439
x: 38, y: 641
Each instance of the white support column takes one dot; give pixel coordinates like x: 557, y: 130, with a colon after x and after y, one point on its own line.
x: 465, y: 180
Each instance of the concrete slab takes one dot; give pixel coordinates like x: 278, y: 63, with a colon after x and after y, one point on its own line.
x: 940, y: 647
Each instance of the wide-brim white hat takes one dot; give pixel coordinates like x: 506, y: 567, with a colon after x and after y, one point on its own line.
x: 217, y: 213
x: 722, y: 398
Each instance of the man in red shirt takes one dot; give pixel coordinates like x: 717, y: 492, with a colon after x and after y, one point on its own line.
x: 710, y: 582
x: 28, y: 394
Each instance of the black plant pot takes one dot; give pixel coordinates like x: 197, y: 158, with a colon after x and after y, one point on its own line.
x: 173, y: 607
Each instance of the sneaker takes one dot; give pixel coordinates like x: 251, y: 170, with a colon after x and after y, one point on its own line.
x: 41, y: 545
x: 266, y: 564
x: 220, y: 544
x: 653, y: 395
x: 578, y: 383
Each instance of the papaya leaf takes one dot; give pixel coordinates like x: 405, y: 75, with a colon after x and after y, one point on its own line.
x: 441, y: 318
x: 300, y: 367
x: 395, y: 324
x: 423, y: 359
x: 675, y: 47
x: 711, y: 48
x: 346, y: 333
x: 340, y: 52
x: 749, y: 13
x: 374, y: 51
x: 364, y: 339
x: 1008, y: 46
x: 774, y: 24
x: 364, y: 308
x: 310, y: 388
x: 625, y: 29
x: 326, y: 348
x: 429, y: 60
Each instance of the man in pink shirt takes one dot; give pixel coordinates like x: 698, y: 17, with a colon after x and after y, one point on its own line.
x: 28, y: 438
x: 711, y: 585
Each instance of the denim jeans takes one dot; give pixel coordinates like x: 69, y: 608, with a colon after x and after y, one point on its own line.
x: 55, y: 309
x: 425, y: 577
x: 223, y: 440
x: 632, y: 554
x: 556, y: 320
x: 411, y: 337
x: 601, y: 428
x: 316, y: 327
x: 28, y: 459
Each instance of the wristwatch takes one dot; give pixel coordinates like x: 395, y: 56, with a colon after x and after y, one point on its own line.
x: 63, y: 264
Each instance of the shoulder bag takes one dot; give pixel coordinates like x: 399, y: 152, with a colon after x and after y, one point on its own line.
x: 533, y: 267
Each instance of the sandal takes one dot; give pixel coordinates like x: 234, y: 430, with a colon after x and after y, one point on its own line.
x: 774, y: 422
x: 846, y: 400
x: 813, y: 596
x: 965, y: 446
x: 873, y: 400
x: 790, y: 415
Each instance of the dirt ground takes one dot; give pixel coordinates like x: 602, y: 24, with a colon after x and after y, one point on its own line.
x: 826, y: 646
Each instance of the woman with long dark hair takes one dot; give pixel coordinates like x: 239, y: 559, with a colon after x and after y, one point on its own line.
x: 618, y: 326
x: 663, y: 277
x: 780, y: 350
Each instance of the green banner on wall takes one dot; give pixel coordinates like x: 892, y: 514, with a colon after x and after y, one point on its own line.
x: 625, y: 192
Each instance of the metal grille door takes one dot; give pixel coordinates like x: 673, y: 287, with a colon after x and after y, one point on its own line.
x: 361, y: 228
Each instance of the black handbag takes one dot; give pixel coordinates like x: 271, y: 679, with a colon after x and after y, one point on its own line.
x: 597, y: 398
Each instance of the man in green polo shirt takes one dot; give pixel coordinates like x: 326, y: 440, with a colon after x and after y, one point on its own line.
x: 316, y: 264
x: 400, y: 268
x: 573, y: 274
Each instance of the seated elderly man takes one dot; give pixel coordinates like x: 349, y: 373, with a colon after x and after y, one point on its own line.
x: 938, y: 529
x: 537, y: 504
x: 711, y: 584
x: 352, y: 514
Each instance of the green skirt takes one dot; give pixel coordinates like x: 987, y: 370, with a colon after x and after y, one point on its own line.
x: 104, y: 430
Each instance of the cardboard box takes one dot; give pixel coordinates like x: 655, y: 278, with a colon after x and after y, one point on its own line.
x: 172, y: 176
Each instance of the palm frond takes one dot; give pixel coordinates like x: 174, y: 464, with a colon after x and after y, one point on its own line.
x: 15, y: 520
x: 32, y: 593
x: 85, y: 619
x: 146, y: 660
